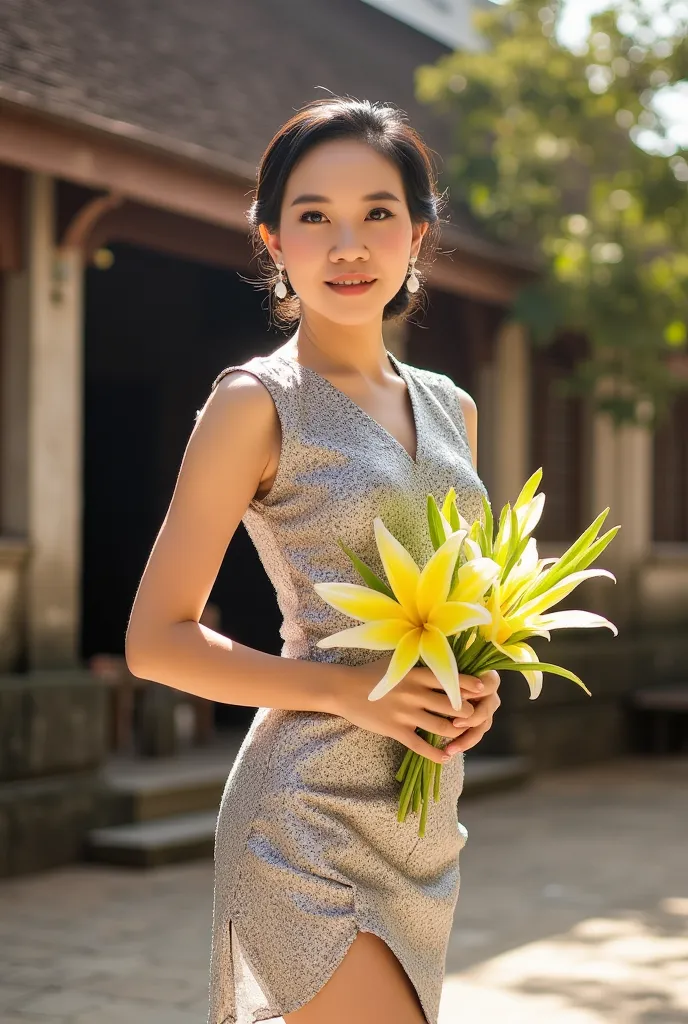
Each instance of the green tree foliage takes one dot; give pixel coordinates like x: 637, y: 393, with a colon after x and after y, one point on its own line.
x: 564, y: 153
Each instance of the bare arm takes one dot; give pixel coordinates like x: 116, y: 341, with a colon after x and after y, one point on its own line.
x: 470, y: 415
x: 225, y: 459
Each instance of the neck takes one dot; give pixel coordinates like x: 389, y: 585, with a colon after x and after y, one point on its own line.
x: 356, y: 350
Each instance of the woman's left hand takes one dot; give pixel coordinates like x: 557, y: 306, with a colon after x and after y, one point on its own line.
x: 476, y: 714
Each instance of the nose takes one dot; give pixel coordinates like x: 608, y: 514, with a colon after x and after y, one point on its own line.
x: 348, y: 247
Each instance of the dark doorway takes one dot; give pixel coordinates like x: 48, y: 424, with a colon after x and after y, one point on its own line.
x: 157, y: 332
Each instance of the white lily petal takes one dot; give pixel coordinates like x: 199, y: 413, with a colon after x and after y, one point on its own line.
x: 574, y: 619
x: 523, y: 653
x: 382, y: 635
x: 436, y: 652
x: 400, y: 568
x: 455, y: 616
x: 435, y: 577
x: 404, y: 658
x: 360, y: 602
x: 472, y: 548
x: 474, y: 579
x: 529, y: 516
x: 561, y: 590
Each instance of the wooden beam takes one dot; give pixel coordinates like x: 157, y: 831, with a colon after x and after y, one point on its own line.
x: 173, y: 234
x: 115, y: 165
x: 165, y: 180
x: 11, y: 213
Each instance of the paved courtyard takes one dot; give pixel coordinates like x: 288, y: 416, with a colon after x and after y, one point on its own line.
x: 573, y: 910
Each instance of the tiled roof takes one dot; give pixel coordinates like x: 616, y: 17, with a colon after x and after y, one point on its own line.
x: 213, y: 79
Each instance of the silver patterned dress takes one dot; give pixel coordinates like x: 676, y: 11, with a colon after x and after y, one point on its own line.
x: 308, y: 849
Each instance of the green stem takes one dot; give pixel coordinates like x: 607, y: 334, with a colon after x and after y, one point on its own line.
x: 418, y: 786
x: 407, y: 780
x: 427, y: 782
x: 404, y: 765
x: 412, y: 775
x: 438, y: 775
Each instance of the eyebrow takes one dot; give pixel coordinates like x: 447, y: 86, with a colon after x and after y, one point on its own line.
x: 309, y: 197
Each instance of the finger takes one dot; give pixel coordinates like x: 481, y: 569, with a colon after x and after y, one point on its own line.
x: 470, y: 684
x: 482, y: 713
x: 469, y: 738
x: 484, y: 707
x: 439, y: 704
x: 415, y: 742
x: 491, y: 680
x: 434, y: 723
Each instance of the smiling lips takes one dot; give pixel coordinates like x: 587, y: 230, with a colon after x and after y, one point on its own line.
x: 351, y: 285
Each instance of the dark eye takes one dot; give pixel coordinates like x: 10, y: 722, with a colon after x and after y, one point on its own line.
x: 311, y: 213
x: 381, y: 209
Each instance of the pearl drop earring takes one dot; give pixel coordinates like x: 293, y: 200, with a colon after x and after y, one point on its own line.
x: 412, y: 282
x: 280, y: 287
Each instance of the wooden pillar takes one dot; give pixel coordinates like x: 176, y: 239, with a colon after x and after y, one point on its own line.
x: 55, y: 286
x: 14, y: 404
x: 623, y: 481
x: 511, y: 413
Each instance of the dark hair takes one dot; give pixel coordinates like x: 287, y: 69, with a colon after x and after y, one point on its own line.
x: 381, y: 125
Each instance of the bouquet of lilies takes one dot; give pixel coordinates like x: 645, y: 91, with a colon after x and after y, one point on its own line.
x: 472, y: 607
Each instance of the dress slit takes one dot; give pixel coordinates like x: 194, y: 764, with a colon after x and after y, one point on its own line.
x: 250, y: 988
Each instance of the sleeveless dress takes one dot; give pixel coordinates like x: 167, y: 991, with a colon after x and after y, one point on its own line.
x: 308, y: 849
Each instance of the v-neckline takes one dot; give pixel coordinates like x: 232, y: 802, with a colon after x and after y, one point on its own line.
x: 366, y: 415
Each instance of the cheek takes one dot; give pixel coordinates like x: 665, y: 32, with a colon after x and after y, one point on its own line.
x: 302, y: 250
x: 393, y: 248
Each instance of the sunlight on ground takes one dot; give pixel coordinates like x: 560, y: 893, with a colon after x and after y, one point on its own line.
x: 627, y: 968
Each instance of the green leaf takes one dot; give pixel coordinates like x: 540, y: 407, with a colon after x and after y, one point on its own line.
x: 568, y: 561
x: 596, y: 549
x: 489, y: 525
x: 506, y: 511
x: 366, y: 573
x: 435, y: 526
x: 513, y: 560
x: 506, y: 665
x: 514, y: 538
x: 529, y: 488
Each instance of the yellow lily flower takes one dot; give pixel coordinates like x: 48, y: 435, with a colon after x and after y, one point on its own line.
x: 528, y: 515
x: 527, y: 569
x: 531, y: 618
x: 417, y: 621
x: 523, y: 652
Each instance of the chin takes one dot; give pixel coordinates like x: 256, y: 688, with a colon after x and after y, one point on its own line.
x: 351, y: 311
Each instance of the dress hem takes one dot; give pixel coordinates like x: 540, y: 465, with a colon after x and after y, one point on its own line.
x: 359, y: 925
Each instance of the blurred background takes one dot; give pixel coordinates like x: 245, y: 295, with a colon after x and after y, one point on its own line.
x: 130, y: 134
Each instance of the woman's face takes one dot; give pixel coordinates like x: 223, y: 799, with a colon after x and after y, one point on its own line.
x: 344, y: 213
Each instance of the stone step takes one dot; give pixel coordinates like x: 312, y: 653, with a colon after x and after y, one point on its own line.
x: 148, y: 844
x: 140, y: 790
x: 183, y: 837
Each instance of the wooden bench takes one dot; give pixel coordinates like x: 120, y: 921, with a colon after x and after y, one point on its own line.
x: 664, y: 709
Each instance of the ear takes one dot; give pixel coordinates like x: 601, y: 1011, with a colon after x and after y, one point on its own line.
x: 417, y: 236
x: 271, y: 243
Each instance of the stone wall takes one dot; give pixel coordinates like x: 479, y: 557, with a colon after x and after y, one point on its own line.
x: 52, y: 743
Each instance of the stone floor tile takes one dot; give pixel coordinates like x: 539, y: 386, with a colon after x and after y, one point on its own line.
x: 61, y: 1002
x: 573, y: 910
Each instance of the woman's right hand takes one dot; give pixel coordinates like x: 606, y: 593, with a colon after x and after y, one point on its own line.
x: 417, y: 701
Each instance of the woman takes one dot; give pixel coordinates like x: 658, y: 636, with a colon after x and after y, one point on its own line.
x: 327, y: 909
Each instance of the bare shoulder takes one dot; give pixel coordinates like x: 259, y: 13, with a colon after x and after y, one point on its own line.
x: 468, y: 405
x: 236, y: 426
x: 237, y: 387
x: 470, y: 416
